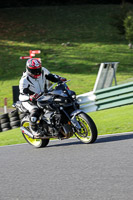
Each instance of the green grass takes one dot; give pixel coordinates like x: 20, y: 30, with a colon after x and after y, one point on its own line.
x: 92, y: 41
x: 116, y: 120
x: 10, y: 137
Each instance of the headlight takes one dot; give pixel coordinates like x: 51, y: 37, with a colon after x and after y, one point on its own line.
x: 74, y: 96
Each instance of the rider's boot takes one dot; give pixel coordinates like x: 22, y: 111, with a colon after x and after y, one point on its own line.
x: 33, y: 123
x: 34, y: 130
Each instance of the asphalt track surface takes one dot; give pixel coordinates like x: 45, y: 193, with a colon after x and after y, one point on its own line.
x: 69, y: 170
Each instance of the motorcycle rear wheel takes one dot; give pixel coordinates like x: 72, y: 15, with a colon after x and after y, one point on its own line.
x: 38, y: 143
x: 88, y: 132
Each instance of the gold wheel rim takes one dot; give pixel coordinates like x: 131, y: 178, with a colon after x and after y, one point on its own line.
x: 85, y: 134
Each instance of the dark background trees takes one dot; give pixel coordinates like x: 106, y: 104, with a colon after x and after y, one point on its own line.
x: 27, y: 3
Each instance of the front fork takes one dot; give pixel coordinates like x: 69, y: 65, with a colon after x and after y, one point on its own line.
x: 73, y: 120
x: 75, y: 123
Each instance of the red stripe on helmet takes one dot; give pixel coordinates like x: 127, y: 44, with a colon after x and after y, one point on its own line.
x: 34, y: 67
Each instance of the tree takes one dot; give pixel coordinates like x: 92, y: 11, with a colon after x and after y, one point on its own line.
x: 128, y: 24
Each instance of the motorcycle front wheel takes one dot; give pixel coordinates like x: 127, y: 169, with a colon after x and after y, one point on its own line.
x: 38, y: 143
x: 88, y: 133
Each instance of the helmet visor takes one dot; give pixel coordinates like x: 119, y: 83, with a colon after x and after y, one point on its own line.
x: 36, y: 71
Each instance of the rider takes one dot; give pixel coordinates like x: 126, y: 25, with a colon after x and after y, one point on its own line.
x: 34, y: 82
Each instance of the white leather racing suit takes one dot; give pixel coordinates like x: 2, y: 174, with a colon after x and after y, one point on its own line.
x: 29, y: 86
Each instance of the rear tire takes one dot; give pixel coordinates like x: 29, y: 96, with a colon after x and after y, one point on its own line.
x: 38, y: 143
x: 14, y: 113
x: 4, y: 122
x: 5, y: 129
x: 5, y: 125
x: 3, y: 116
x: 88, y: 132
x: 12, y: 119
x: 0, y: 128
x: 15, y: 123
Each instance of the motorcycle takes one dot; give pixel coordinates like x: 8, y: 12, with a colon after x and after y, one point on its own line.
x: 60, y: 118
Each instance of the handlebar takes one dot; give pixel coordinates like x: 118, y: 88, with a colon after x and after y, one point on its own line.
x: 59, y: 82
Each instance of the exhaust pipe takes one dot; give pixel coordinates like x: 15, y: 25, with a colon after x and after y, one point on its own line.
x: 25, y: 131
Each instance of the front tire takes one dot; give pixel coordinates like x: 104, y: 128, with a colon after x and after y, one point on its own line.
x: 38, y: 143
x: 88, y: 132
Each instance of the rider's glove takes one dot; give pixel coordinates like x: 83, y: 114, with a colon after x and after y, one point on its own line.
x: 34, y: 97
x: 62, y: 79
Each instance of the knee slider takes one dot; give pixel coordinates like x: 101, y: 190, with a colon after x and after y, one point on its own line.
x: 34, y: 115
x: 33, y: 119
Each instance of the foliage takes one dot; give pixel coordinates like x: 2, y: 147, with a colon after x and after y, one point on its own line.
x: 119, y: 17
x: 128, y: 24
